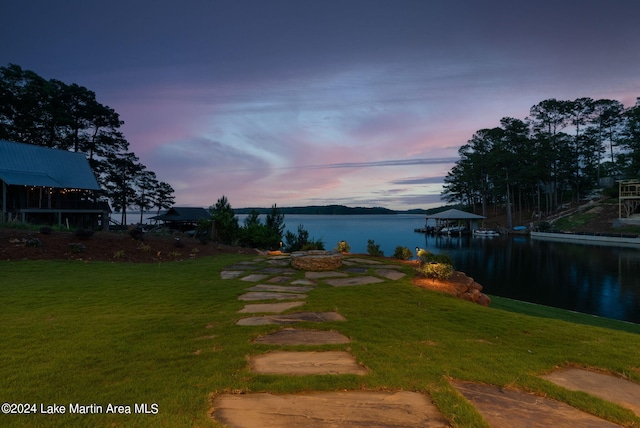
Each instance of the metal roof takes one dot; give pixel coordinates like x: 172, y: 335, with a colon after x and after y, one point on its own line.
x: 31, y: 165
x: 454, y: 214
x: 186, y: 214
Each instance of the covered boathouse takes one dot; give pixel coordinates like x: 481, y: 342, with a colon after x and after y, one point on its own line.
x: 452, y: 220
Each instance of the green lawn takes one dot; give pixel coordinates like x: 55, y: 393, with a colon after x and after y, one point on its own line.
x: 105, y: 333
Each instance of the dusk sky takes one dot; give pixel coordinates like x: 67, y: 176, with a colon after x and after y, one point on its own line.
x: 295, y: 102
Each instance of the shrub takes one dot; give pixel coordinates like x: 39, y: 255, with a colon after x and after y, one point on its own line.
x: 342, y: 247
x: 32, y: 241
x: 45, y: 230
x: 402, y: 253
x: 425, y: 257
x: 136, y: 232
x: 84, y: 233
x: 301, y: 241
x: 373, y: 249
x: 144, y: 248
x: 226, y: 229
x: 611, y: 192
x: 434, y: 270
x: 313, y: 245
x: 203, y: 230
x: 77, y: 248
x: 544, y: 226
x: 258, y: 235
x: 118, y: 254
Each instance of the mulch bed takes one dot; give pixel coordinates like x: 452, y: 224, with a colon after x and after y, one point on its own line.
x: 16, y: 244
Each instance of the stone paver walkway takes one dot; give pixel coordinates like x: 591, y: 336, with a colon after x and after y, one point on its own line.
x: 306, y: 363
x: 292, y: 336
x: 607, y: 387
x: 292, y: 318
x: 501, y: 407
x: 329, y: 409
x: 271, y: 295
x: 505, y: 408
x: 273, y: 308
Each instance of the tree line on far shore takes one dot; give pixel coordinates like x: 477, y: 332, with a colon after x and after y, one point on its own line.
x: 57, y: 115
x: 558, y: 154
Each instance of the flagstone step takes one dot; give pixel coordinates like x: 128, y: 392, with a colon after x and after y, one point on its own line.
x: 281, y: 288
x: 229, y: 274
x: 275, y: 308
x: 507, y: 408
x: 280, y: 279
x: 356, y: 280
x: 254, y: 277
x: 292, y: 318
x: 325, y: 274
x: 269, y: 295
x: 391, y: 274
x: 356, y: 260
x: 328, y: 409
x: 306, y: 363
x: 291, y: 336
x: 279, y: 271
x: 610, y: 388
x: 302, y: 282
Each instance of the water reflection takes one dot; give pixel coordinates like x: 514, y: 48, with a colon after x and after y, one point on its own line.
x: 598, y: 280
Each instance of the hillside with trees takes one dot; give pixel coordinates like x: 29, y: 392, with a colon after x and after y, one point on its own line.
x: 63, y: 116
x: 556, y: 156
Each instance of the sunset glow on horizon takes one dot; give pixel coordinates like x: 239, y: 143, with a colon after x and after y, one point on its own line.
x: 359, y: 103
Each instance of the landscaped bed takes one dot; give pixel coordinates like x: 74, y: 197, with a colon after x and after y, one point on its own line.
x: 22, y: 244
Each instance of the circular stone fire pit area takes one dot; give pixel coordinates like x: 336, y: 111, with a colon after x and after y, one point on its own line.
x: 316, y: 260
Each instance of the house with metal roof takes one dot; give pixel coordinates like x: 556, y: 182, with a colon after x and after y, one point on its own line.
x: 48, y: 186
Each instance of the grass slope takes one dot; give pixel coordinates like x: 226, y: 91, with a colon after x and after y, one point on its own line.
x: 100, y: 333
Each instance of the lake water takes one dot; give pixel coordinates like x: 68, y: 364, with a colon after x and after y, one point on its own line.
x: 598, y: 280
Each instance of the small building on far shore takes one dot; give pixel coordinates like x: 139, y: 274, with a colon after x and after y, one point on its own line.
x: 182, y: 218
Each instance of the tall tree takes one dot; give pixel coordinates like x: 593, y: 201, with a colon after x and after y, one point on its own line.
x: 548, y: 118
x: 147, y: 186
x: 120, y: 181
x: 164, y: 198
x: 608, y: 121
x: 275, y: 221
x: 631, y: 140
x: 54, y: 114
x: 225, y: 223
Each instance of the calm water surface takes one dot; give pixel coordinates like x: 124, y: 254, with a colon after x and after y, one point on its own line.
x: 598, y: 280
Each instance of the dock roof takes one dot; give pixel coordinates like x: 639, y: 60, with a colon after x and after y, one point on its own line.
x: 454, y: 214
x: 183, y: 214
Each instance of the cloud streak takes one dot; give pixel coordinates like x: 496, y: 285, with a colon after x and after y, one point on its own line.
x: 358, y: 102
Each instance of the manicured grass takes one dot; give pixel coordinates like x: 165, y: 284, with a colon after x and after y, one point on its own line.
x: 75, y: 332
x: 573, y: 221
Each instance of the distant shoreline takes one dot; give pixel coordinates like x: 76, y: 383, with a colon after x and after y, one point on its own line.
x: 329, y: 210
